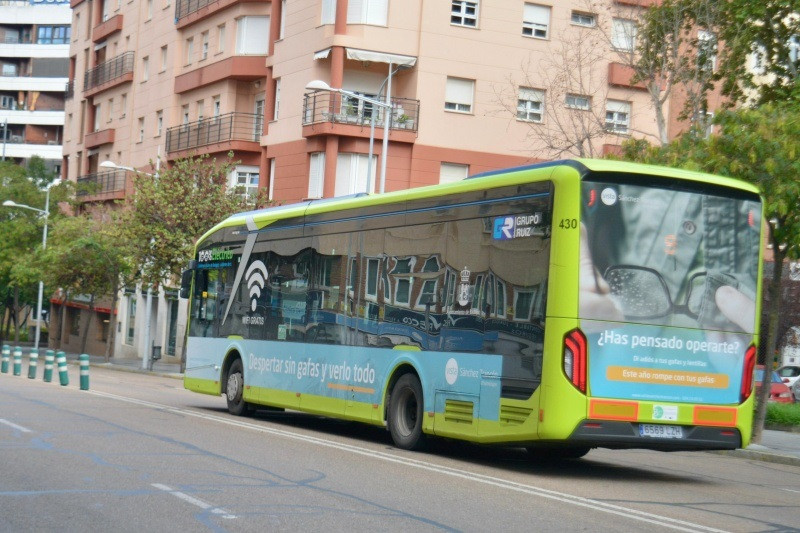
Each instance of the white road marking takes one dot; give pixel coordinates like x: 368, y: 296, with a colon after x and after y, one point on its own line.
x: 627, y: 512
x: 15, y: 426
x: 194, y: 501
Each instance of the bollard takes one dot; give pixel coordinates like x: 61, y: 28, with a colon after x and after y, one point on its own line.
x: 6, y: 354
x: 17, y: 361
x: 63, y: 376
x: 84, y: 364
x: 48, y: 366
x: 33, y: 362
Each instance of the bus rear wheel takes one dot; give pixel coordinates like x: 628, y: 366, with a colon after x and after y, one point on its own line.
x: 405, y: 413
x: 234, y: 391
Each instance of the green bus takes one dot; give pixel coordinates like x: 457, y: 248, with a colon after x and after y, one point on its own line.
x: 559, y: 307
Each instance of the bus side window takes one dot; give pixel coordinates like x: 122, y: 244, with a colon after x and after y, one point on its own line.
x: 200, y: 288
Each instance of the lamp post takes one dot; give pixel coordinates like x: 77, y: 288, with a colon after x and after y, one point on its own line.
x: 319, y: 85
x: 45, y: 214
x: 149, y: 301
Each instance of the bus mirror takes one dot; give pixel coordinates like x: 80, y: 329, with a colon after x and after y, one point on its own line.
x: 186, y: 282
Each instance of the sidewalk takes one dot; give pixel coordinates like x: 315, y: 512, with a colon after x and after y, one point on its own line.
x: 780, y: 447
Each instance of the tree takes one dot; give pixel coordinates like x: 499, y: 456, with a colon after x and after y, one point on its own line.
x: 85, y: 255
x: 575, y: 70
x: 761, y: 57
x: 759, y: 146
x: 22, y: 233
x: 171, y: 210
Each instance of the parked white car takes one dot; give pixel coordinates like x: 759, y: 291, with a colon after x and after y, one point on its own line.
x: 790, y: 374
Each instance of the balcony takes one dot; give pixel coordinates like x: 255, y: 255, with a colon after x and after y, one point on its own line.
x: 113, y: 72
x: 99, y: 138
x: 231, y: 131
x: 100, y: 186
x: 69, y: 90
x: 333, y: 113
x: 190, y: 11
x: 622, y: 76
x: 243, y: 68
x: 106, y: 28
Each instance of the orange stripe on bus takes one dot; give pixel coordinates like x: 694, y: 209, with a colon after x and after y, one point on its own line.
x: 340, y: 386
x: 714, y: 416
x: 613, y: 410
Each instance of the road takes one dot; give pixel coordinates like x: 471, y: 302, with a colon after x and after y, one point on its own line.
x: 137, y: 452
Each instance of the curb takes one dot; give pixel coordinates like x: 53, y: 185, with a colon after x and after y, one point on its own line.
x: 133, y: 370
x: 762, y: 456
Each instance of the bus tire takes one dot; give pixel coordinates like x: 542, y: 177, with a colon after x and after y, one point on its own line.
x: 234, y: 390
x: 405, y: 413
x: 545, y: 453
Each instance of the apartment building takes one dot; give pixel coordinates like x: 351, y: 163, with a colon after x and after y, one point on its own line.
x: 435, y: 91
x: 34, y: 51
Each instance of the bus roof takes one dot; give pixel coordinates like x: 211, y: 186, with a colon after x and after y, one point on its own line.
x: 513, y: 175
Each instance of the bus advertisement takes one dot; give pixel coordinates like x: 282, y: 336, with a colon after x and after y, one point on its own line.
x: 560, y: 307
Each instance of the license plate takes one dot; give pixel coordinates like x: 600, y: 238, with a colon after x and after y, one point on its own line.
x: 660, y: 431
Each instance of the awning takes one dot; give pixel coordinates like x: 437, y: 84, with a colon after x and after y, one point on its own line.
x: 368, y: 55
x: 322, y: 54
x: 380, y: 57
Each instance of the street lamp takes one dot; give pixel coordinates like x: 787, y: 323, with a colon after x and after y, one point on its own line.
x: 45, y: 214
x: 319, y: 85
x: 112, y: 165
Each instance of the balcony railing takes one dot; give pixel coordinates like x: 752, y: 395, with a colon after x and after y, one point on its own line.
x: 101, y: 182
x: 223, y: 128
x: 326, y: 106
x: 184, y: 8
x: 69, y: 90
x: 110, y: 70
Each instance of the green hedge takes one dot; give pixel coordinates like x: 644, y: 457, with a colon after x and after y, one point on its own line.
x: 784, y: 414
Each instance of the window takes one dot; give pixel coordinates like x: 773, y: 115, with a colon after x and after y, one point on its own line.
x: 351, y: 173
x: 271, y: 193
x: 188, y: 51
x: 216, y: 105
x: 252, y: 35
x: 123, y: 105
x: 463, y: 13
x: 316, y: 175
x: 145, y: 68
x: 706, y: 51
x: 576, y: 101
x: 185, y: 114
x: 98, y: 109
x: 530, y: 104
x: 75, y: 321
x: 200, y: 107
x: 367, y: 12
x: 51, y: 34
x: 130, y: 320
x: 583, y: 19
x: 523, y: 305
x: 706, y: 124
x: 276, y: 113
x: 141, y: 129
x: 110, y: 110
x: 149, y: 9
x: 221, y: 38
x: 618, y: 116
x: 163, y: 58
x: 282, y: 26
x: 452, y: 172
x: 245, y: 181
x: 159, y: 122
x: 203, y: 45
x: 328, y: 12
x: 623, y: 34
x: 536, y: 21
x: 458, y: 95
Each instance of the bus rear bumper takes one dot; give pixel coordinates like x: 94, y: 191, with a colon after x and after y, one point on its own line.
x: 620, y: 435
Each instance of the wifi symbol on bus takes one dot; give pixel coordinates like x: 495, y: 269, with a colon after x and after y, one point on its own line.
x: 256, y: 277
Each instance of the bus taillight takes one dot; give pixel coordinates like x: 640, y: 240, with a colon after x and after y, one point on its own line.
x: 575, y: 358
x: 747, y: 375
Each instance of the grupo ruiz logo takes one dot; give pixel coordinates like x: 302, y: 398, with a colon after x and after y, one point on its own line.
x: 451, y: 371
x: 256, y: 279
x: 214, y: 254
x: 512, y: 227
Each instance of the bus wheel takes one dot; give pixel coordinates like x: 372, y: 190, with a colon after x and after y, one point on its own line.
x: 234, y: 392
x: 405, y: 413
x: 545, y: 453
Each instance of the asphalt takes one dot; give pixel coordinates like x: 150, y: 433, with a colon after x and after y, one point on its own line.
x: 778, y: 445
